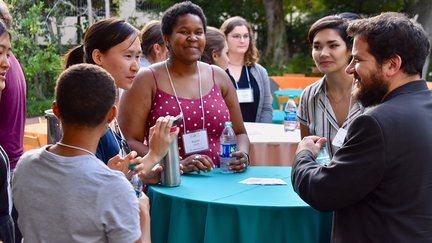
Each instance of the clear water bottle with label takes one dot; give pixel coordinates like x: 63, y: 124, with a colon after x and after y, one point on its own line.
x: 228, y: 145
x: 135, y: 180
x: 323, y: 156
x: 290, y: 121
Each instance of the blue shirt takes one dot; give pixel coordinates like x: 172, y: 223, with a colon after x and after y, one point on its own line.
x: 109, y: 146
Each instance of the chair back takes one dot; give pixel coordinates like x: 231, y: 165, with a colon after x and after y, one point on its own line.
x: 282, y: 100
x: 293, y: 82
x: 31, y: 141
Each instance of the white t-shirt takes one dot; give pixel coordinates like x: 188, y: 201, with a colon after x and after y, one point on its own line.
x: 73, y: 199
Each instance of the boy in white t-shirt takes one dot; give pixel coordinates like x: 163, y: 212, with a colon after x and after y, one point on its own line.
x: 62, y: 192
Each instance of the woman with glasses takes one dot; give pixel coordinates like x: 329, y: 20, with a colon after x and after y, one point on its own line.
x: 249, y: 78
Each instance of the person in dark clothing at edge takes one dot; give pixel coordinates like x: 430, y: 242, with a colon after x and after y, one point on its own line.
x: 379, y: 182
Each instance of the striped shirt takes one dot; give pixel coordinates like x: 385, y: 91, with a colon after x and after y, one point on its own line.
x: 312, y: 113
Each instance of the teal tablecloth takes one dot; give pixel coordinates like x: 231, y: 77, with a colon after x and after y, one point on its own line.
x: 214, y: 207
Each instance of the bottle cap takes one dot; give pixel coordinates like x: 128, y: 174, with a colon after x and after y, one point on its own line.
x: 132, y: 166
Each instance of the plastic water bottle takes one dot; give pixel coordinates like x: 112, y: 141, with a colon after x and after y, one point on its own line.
x: 323, y: 156
x: 135, y: 180
x: 290, y: 121
x: 228, y: 145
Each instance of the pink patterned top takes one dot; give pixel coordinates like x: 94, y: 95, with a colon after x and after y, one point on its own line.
x: 216, y: 113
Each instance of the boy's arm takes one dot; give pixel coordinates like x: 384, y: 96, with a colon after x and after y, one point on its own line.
x: 144, y: 207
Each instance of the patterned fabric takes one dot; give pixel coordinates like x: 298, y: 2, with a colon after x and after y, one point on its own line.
x: 216, y: 113
x: 312, y: 113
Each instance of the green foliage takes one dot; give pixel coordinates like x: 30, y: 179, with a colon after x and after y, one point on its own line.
x: 37, y: 107
x: 41, y: 63
x: 218, y: 11
x: 299, y: 63
x: 366, y: 7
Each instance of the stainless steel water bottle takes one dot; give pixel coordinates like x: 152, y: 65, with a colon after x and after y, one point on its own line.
x: 170, y: 176
x: 54, y: 131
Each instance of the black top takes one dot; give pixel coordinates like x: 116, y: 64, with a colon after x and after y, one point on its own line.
x: 248, y: 110
x: 379, y: 183
x: 4, y: 171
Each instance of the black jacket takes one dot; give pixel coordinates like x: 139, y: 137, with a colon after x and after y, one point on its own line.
x: 379, y: 184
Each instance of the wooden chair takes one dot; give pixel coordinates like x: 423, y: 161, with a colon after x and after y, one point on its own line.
x: 282, y: 100
x: 31, y: 142
x: 290, y: 82
x: 294, y: 75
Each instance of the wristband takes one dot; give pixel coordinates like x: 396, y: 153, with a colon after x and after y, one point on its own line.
x: 248, y: 158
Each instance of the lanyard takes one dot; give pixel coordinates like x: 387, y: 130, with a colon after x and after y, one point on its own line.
x: 325, y: 129
x: 178, y: 102
x: 123, y: 146
x: 248, y: 79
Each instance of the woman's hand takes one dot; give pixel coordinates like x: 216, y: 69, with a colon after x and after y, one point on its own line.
x: 160, y: 138
x: 241, y: 163
x: 152, y: 176
x: 197, y: 162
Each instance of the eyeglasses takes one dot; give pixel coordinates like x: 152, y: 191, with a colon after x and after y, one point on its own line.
x: 238, y: 36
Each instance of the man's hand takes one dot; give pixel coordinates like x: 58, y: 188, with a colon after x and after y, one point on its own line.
x: 311, y: 143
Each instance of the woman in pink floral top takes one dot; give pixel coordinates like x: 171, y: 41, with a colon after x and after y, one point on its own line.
x: 203, y: 93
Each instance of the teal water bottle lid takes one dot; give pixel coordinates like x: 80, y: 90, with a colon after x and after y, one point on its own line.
x: 132, y: 166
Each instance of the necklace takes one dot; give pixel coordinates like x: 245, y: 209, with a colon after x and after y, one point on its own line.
x: 74, y: 147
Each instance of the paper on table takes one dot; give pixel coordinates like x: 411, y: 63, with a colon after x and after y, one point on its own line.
x: 263, y: 181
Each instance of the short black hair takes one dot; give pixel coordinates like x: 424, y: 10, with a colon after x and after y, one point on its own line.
x: 338, y: 22
x: 84, y: 94
x: 390, y: 34
x: 172, y: 14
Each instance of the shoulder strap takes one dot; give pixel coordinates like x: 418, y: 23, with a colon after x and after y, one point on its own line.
x: 213, y: 77
x: 154, y: 77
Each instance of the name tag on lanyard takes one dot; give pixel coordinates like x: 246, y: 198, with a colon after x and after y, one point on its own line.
x: 245, y: 95
x: 195, y: 141
x: 339, y: 139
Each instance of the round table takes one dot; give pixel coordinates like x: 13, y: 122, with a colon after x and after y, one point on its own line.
x: 270, y: 145
x: 215, y: 207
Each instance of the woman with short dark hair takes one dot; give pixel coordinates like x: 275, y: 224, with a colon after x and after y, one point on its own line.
x: 183, y: 84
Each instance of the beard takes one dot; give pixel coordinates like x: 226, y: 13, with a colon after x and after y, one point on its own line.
x: 372, y: 92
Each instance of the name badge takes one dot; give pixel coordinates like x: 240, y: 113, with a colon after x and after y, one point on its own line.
x: 245, y: 95
x: 195, y: 141
x: 339, y: 139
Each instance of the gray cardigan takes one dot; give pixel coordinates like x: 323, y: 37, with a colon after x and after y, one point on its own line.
x: 264, y: 111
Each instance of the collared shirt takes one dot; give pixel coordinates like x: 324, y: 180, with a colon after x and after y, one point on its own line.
x: 312, y: 113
